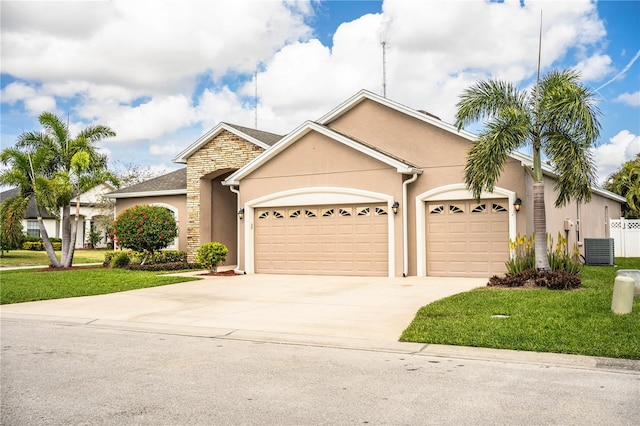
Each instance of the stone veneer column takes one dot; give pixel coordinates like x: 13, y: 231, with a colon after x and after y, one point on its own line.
x: 226, y: 151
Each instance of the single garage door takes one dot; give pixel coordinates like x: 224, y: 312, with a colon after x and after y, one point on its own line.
x: 467, y: 238
x: 325, y: 240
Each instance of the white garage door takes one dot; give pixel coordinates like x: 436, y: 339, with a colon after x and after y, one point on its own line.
x: 325, y: 240
x: 467, y: 238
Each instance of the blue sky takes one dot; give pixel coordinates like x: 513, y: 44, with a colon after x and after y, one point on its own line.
x: 161, y: 73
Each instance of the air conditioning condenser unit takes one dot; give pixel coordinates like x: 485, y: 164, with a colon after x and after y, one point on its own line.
x: 598, y: 251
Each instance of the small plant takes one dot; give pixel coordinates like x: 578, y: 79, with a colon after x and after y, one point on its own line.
x: 559, y: 257
x: 120, y: 260
x: 212, y: 254
x: 523, y: 255
x: 94, y: 238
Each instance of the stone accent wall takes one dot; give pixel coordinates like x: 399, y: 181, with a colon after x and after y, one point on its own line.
x: 226, y: 151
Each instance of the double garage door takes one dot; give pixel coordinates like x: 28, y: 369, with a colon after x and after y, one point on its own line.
x: 467, y: 238
x: 325, y: 240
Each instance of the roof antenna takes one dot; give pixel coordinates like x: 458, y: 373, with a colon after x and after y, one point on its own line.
x: 255, y: 120
x: 383, y: 43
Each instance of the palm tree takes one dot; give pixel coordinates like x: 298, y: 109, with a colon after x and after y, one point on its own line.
x: 70, y: 165
x: 26, y: 171
x: 557, y: 118
x: 626, y: 182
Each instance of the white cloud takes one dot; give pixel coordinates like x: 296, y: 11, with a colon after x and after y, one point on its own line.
x: 141, y: 67
x: 167, y: 150
x: 611, y: 156
x: 631, y: 99
x: 595, y: 67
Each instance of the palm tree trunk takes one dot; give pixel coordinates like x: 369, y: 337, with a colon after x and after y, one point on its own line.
x: 540, y: 227
x: 47, y: 243
x: 68, y: 262
x: 66, y: 231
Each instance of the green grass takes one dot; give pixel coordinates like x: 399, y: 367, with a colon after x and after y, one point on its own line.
x: 28, y: 285
x: 573, y: 322
x: 32, y: 258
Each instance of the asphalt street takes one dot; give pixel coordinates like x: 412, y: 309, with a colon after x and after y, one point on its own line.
x: 79, y: 374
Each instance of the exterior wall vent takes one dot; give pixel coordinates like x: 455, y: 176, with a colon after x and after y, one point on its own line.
x: 598, y: 251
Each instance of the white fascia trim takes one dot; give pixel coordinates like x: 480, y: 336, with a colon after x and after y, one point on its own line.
x: 365, y: 94
x: 301, y: 131
x: 314, y: 196
x: 147, y: 194
x: 202, y: 140
x: 456, y: 191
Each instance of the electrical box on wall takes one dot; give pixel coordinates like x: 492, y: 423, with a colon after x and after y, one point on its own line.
x: 567, y: 225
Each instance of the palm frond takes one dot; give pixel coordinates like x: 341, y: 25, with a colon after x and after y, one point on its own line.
x: 485, y: 99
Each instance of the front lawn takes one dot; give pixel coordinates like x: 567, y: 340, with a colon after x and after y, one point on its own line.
x: 573, y: 322
x: 31, y: 258
x: 28, y: 285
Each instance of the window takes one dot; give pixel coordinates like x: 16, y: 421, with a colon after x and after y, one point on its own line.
x: 309, y: 213
x: 327, y: 213
x: 32, y: 228
x: 345, y: 211
x: 497, y: 208
x: 277, y: 214
x: 436, y: 209
x: 294, y: 213
x: 480, y: 208
x: 363, y: 211
x: 263, y: 215
x: 456, y: 208
x: 380, y: 212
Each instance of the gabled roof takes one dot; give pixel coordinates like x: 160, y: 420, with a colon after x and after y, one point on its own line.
x: 362, y: 95
x: 32, y: 211
x: 400, y: 165
x: 257, y: 137
x: 173, y: 183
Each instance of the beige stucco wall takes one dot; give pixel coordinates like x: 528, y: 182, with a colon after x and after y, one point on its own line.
x: 177, y: 202
x: 586, y: 220
x: 225, y: 152
x: 318, y: 161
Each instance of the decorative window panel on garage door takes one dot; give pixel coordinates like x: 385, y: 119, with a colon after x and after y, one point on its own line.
x: 467, y: 238
x: 325, y: 240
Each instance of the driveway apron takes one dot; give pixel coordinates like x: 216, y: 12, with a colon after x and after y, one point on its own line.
x: 329, y: 306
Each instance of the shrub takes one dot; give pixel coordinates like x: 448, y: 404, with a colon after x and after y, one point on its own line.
x: 553, y: 280
x: 39, y: 246
x: 523, y: 255
x: 169, y: 266
x: 120, y: 260
x: 170, y: 256
x: 210, y: 255
x: 145, y: 229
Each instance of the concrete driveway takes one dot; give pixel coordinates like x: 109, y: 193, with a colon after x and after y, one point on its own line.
x: 327, y: 306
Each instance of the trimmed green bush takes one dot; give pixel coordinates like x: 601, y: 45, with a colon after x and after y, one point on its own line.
x: 169, y: 266
x: 39, y: 246
x: 212, y: 254
x: 120, y: 260
x: 145, y: 229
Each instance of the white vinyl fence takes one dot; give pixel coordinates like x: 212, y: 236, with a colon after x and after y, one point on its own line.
x: 626, y: 237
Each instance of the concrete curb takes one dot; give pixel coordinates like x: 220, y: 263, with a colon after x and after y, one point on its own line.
x: 420, y: 349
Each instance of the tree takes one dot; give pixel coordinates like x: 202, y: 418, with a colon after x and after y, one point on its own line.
x: 12, y: 210
x: 67, y: 167
x: 558, y: 118
x: 145, y: 228
x: 626, y: 182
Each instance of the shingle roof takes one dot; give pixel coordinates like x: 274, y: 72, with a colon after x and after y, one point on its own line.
x: 32, y: 212
x: 171, y: 183
x: 266, y: 137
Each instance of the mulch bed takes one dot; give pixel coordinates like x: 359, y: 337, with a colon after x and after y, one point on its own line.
x: 220, y: 274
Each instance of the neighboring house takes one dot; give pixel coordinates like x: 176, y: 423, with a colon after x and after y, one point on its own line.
x: 30, y: 222
x: 371, y: 188
x: 94, y: 213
